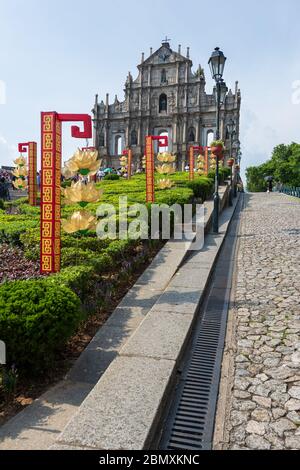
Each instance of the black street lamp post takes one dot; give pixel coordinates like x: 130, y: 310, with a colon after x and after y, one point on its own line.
x: 217, y: 64
x: 237, y: 149
x: 231, y: 129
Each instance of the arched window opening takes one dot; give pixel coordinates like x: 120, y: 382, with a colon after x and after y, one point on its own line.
x: 191, y: 136
x: 134, y: 138
x: 101, y: 140
x: 118, y: 145
x: 210, y: 138
x: 163, y: 103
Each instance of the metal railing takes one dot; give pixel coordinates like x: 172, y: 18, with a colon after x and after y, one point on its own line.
x: 290, y: 191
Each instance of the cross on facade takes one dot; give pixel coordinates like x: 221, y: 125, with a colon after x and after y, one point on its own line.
x: 166, y: 40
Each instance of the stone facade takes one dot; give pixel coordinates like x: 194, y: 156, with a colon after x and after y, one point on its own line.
x: 166, y: 97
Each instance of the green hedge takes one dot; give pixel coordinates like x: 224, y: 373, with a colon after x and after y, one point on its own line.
x: 36, y: 319
x: 79, y: 279
x: 112, y: 177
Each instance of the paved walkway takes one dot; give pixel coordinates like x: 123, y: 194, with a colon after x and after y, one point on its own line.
x: 264, y: 391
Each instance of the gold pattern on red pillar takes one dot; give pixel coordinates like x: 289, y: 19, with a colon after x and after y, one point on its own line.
x: 50, y: 193
x: 149, y: 170
x: 192, y: 163
x: 51, y: 183
x: 31, y: 148
x: 129, y: 169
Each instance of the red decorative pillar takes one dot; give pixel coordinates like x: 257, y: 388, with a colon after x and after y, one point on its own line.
x: 129, y: 169
x: 192, y: 163
x: 51, y: 129
x: 150, y: 167
x: 31, y: 149
x: 206, y: 161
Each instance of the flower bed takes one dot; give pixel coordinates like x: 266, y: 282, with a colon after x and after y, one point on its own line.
x: 91, y: 267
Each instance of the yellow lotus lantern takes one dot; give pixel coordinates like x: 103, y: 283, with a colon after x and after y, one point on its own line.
x: 20, y: 184
x: 80, y: 222
x: 165, y: 184
x: 84, y: 162
x: 166, y: 157
x: 167, y: 160
x: 200, y: 165
x: 20, y: 172
x: 21, y: 161
x: 165, y: 169
x: 123, y: 161
x: 81, y: 193
x: 213, y: 162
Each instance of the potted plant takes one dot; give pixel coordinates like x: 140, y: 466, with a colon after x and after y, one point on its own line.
x: 217, y: 147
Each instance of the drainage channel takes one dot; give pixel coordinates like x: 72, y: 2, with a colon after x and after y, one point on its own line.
x: 190, y: 422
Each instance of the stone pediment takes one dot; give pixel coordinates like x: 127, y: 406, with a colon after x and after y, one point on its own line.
x: 164, y: 55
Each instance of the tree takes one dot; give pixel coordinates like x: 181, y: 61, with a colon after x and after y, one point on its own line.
x: 284, y: 166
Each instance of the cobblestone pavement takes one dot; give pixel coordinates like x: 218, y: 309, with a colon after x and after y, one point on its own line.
x: 264, y: 410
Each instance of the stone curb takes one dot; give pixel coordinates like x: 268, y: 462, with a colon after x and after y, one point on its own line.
x: 124, y: 410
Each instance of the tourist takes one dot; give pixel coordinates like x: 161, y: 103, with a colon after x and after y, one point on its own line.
x: 38, y: 180
x: 4, y: 189
x: 270, y: 186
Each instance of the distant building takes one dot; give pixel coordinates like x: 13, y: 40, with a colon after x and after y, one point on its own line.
x: 167, y: 97
x: 8, y: 168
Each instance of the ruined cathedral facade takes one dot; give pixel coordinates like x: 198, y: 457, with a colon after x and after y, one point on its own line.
x: 167, y: 97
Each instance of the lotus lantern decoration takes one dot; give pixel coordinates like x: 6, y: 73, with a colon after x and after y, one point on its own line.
x: 166, y: 157
x: 165, y: 169
x: 20, y: 184
x: 165, y: 183
x: 123, y: 161
x: 81, y: 193
x: 200, y: 165
x: 84, y: 162
x: 80, y: 222
x: 20, y: 173
x: 20, y: 161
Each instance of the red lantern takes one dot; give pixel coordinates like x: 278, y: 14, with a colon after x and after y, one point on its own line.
x: 230, y: 162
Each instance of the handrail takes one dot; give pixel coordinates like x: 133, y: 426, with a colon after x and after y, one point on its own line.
x: 290, y: 191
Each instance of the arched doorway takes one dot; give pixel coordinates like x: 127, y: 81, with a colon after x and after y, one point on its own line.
x: 210, y: 137
x: 118, y: 145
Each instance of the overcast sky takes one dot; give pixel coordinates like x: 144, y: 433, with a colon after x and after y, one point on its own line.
x: 56, y: 55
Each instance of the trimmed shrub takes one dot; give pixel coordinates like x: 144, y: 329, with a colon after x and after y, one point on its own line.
x: 201, y: 187
x: 80, y: 279
x: 10, y: 231
x: 111, y: 177
x: 75, y: 256
x: 36, y: 320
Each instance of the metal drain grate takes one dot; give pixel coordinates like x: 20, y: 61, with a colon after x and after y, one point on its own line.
x: 190, y: 423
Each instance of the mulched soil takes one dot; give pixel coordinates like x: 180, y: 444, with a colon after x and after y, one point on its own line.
x: 28, y: 388
x: 14, y: 266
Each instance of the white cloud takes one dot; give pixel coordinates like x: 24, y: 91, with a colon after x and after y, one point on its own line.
x: 8, y: 152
